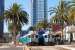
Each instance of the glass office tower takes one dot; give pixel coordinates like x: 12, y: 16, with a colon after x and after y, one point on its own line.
x: 39, y: 9
x: 1, y: 14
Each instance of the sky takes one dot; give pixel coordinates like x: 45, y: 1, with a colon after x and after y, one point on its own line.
x: 26, y: 5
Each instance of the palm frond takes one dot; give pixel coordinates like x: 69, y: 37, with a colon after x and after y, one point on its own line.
x: 17, y: 16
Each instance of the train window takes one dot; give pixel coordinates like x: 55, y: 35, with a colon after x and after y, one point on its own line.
x: 36, y: 36
x: 46, y: 36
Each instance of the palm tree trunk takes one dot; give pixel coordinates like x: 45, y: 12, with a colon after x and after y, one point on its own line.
x: 14, y: 39
x: 14, y: 35
x: 62, y: 34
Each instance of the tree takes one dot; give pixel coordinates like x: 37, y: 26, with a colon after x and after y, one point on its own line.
x: 42, y: 24
x: 71, y: 19
x: 71, y: 16
x: 61, y: 11
x: 17, y: 17
x: 32, y: 28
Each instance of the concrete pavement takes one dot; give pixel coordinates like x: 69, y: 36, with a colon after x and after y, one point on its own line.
x: 16, y: 48
x: 56, y: 47
x: 47, y: 48
x: 35, y: 48
x: 70, y: 47
x: 7, y: 47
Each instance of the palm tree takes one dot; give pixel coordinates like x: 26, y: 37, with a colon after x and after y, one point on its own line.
x: 17, y: 17
x: 61, y: 11
x: 71, y: 16
x: 71, y: 19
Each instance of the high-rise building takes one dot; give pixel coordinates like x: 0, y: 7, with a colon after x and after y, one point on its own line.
x: 1, y: 14
x: 39, y: 11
